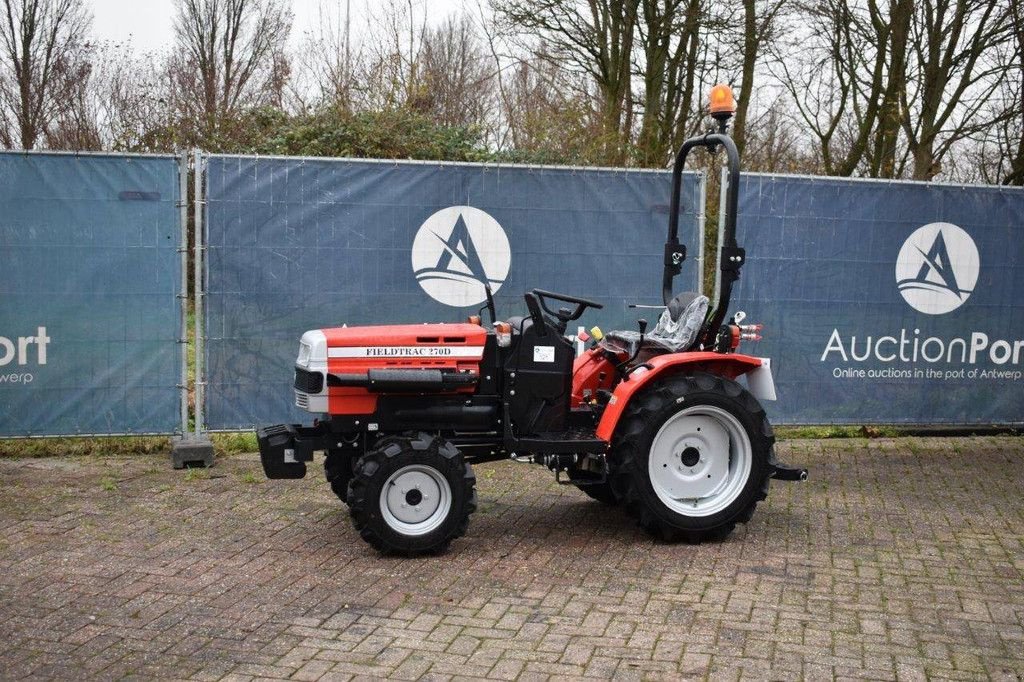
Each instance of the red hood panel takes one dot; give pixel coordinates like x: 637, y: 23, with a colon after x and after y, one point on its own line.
x: 458, y: 334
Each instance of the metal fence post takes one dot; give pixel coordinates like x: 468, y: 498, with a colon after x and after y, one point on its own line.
x: 195, y: 448
x: 183, y: 290
x: 199, y: 205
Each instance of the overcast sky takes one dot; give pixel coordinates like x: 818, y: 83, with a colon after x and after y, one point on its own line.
x: 149, y: 23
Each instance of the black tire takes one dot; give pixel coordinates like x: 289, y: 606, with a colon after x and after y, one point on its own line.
x: 641, y: 424
x: 338, y: 471
x: 440, y: 464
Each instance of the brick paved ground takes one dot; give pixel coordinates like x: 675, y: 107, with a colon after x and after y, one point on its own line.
x: 900, y: 559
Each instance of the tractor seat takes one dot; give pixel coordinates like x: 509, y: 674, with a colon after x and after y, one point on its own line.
x: 675, y: 332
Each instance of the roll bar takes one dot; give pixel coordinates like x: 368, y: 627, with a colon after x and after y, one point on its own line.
x: 731, y: 257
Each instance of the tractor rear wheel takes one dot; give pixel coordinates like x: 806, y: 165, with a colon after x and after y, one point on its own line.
x: 338, y: 472
x: 694, y: 457
x: 412, y: 495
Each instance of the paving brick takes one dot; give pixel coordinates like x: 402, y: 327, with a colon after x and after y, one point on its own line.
x: 900, y: 559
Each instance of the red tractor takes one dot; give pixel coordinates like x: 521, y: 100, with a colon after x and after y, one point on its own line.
x: 656, y: 422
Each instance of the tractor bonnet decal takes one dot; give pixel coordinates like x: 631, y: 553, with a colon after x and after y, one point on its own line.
x: 937, y: 268
x: 455, y: 251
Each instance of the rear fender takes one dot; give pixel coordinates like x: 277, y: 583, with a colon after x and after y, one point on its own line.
x: 732, y: 365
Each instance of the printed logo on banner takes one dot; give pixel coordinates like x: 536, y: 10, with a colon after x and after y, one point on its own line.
x: 456, y: 251
x: 19, y: 350
x: 937, y: 268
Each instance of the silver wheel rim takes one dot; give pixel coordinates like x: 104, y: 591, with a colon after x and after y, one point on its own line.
x: 415, y: 500
x: 699, y: 461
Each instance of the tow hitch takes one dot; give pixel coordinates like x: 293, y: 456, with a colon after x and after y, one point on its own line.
x: 784, y: 472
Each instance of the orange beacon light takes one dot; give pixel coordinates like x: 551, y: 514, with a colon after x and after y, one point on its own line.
x: 722, y: 104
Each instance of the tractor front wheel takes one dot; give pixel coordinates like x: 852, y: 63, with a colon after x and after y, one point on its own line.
x: 694, y: 457
x: 412, y: 495
x: 338, y: 472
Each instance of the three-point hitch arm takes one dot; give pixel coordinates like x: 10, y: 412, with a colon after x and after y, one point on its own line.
x: 731, y: 257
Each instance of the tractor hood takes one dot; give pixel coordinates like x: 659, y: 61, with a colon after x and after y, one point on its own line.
x: 456, y: 341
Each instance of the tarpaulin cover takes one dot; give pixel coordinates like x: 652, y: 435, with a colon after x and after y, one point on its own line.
x: 886, y: 303
x: 302, y: 244
x: 89, y: 313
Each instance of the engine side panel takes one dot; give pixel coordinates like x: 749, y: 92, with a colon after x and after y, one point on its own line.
x: 355, y: 351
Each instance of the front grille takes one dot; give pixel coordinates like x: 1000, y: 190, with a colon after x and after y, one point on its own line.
x: 301, y: 400
x: 308, y: 382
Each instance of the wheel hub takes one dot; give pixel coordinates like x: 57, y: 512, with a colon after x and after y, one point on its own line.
x: 415, y: 499
x: 689, y: 457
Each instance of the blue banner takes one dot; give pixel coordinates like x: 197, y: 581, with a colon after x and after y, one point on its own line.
x: 298, y: 244
x: 89, y: 313
x: 886, y: 302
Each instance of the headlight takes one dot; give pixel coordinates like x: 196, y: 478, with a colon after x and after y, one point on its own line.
x: 304, y: 350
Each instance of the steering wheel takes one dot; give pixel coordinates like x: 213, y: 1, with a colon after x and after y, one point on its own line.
x: 563, y: 315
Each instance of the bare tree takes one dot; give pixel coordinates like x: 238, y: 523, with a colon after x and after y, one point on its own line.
x: 1014, y: 123
x: 390, y: 71
x: 844, y: 73
x: 133, y: 94
x: 75, y: 123
x: 456, y: 85
x: 549, y: 115
x: 953, y: 74
x: 330, y: 61
x: 774, y: 144
x: 759, y: 27
x: 596, y: 38
x: 892, y: 39
x: 670, y: 36
x: 39, y: 39
x: 231, y: 57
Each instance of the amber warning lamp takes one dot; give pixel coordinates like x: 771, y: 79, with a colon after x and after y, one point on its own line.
x: 722, y: 104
